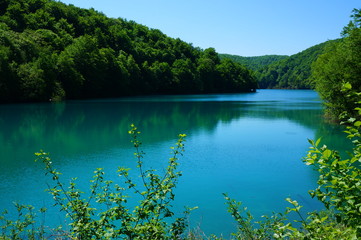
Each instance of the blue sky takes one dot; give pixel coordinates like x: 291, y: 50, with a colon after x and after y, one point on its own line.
x: 240, y: 27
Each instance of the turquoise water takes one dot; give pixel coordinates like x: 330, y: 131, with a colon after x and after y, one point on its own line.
x: 247, y: 145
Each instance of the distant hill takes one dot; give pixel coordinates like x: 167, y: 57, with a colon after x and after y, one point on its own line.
x: 279, y: 71
x: 254, y: 63
x: 293, y: 72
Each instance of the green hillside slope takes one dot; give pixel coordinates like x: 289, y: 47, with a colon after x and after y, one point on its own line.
x: 49, y: 50
x: 293, y: 72
x: 279, y: 71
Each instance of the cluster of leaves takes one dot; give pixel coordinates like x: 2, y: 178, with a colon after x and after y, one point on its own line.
x: 317, y: 225
x: 50, y: 50
x: 340, y: 64
x: 24, y: 225
x: 104, y: 213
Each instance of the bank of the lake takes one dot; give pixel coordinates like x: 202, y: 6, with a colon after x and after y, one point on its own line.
x: 247, y: 145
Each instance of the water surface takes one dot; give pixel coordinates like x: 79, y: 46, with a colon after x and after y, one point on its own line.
x: 247, y: 145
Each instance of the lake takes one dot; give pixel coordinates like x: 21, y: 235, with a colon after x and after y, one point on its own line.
x: 247, y: 145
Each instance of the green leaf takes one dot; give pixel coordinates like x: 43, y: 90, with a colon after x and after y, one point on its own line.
x: 347, y: 86
x: 357, y: 123
x: 351, y: 120
x: 327, y: 153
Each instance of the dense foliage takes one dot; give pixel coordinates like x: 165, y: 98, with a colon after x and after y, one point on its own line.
x: 293, y: 72
x: 49, y: 50
x: 338, y: 67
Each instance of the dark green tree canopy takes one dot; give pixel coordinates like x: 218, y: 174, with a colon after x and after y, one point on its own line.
x: 50, y: 50
x: 338, y: 67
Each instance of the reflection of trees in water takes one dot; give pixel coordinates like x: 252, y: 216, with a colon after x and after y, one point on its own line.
x: 80, y: 125
x: 307, y: 115
x: 76, y: 125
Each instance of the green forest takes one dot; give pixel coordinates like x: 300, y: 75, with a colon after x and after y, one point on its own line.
x: 52, y: 51
x: 284, y: 72
x: 293, y: 72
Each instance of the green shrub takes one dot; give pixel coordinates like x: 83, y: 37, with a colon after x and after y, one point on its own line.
x: 104, y: 214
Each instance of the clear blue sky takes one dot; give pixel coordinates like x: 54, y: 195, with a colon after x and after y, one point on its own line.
x: 240, y: 27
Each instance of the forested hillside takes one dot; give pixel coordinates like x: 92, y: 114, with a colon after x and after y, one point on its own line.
x: 254, y: 63
x: 279, y: 71
x: 293, y: 72
x: 49, y: 50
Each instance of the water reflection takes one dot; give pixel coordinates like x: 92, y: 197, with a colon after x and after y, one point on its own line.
x: 247, y: 144
x: 75, y: 125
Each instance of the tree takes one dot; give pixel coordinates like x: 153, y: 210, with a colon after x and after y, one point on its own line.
x: 8, y: 82
x: 340, y: 64
x: 207, y: 69
x: 184, y: 77
x: 233, y: 77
